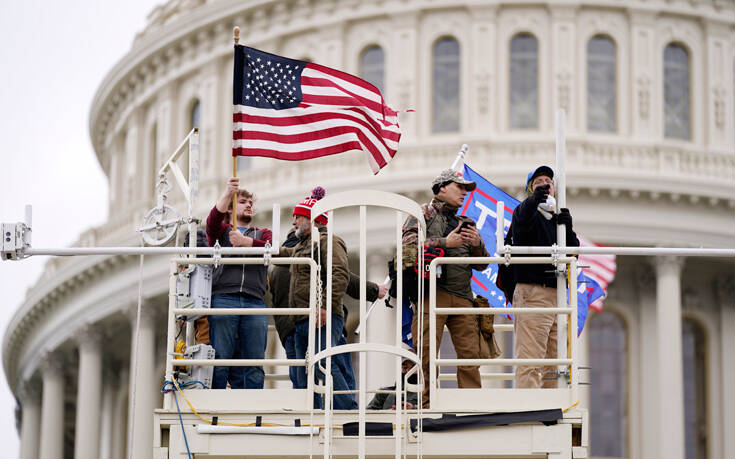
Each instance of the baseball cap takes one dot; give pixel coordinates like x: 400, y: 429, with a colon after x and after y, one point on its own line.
x: 450, y: 175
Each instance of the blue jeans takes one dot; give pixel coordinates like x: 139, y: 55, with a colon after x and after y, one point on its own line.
x: 345, y: 361
x: 288, y: 345
x: 246, y: 334
x: 301, y: 340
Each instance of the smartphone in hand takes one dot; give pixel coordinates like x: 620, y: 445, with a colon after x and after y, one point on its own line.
x: 466, y: 224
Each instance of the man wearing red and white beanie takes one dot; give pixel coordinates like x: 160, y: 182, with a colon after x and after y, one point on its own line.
x: 299, y: 292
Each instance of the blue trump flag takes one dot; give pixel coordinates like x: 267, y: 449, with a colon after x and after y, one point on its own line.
x: 481, y: 206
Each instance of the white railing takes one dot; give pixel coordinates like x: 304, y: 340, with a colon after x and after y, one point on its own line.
x: 499, y: 399
x: 175, y: 312
x: 402, y: 206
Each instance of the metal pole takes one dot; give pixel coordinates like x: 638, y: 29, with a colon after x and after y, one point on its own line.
x: 328, y: 377
x: 515, y: 250
x: 276, y: 228
x: 193, y: 184
x: 561, y: 234
x: 362, y: 401
x: 574, y: 342
x: 399, y: 332
x: 432, y: 330
x: 499, y: 226
x: 459, y: 160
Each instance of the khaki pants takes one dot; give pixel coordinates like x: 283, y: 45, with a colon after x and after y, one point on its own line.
x: 535, y: 335
x: 465, y: 337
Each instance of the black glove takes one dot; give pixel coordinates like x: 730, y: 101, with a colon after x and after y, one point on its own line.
x: 564, y: 218
x: 541, y: 193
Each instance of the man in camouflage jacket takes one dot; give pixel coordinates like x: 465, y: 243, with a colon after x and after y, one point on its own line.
x: 444, y: 230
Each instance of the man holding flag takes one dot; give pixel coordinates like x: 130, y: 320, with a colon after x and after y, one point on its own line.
x: 534, y: 224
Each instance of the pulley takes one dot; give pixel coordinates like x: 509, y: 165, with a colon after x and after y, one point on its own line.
x: 160, y: 223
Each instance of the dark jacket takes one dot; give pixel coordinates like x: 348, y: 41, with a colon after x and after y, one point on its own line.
x: 531, y: 228
x: 236, y: 279
x: 300, y: 274
x: 278, y: 284
x: 455, y: 279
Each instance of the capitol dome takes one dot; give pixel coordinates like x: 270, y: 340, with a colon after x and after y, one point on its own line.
x: 649, y: 92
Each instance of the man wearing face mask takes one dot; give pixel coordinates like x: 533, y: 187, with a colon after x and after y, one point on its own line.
x: 535, y: 224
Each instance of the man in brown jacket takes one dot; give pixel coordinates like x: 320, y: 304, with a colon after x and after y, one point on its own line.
x: 458, y: 237
x: 279, y: 280
x: 299, y: 293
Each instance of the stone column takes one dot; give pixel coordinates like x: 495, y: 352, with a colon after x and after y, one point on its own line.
x: 89, y: 394
x: 30, y: 399
x: 726, y: 293
x: 670, y: 367
x: 106, y: 422
x: 52, y: 408
x: 644, y: 380
x: 142, y: 394
x: 118, y: 439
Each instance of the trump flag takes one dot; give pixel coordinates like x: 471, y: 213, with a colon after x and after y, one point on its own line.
x: 481, y: 206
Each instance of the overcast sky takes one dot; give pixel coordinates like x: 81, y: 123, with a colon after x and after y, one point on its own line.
x: 53, y: 56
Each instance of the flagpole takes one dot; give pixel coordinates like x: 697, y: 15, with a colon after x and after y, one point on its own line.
x: 459, y: 160
x: 236, y: 37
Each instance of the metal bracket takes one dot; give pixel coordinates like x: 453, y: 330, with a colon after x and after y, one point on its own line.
x: 217, y: 256
x: 506, y: 254
x: 267, y: 255
x: 565, y: 373
x: 16, y: 238
x: 555, y: 255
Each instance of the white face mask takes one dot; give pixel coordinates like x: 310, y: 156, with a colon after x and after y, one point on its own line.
x: 548, y: 208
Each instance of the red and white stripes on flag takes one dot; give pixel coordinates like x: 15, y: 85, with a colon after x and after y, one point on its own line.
x: 601, y: 268
x: 316, y: 111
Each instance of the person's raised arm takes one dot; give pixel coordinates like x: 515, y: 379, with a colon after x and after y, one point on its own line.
x: 225, y: 200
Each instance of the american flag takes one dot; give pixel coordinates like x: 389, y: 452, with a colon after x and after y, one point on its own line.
x: 294, y: 110
x: 601, y: 269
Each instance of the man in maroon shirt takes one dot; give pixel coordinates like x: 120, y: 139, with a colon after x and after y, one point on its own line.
x: 237, y: 286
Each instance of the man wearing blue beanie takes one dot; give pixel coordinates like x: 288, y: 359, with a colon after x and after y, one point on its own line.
x: 534, y: 224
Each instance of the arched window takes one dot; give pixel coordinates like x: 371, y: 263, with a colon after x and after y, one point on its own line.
x: 445, y: 92
x: 608, y: 346
x: 677, y: 124
x: 601, y: 84
x: 694, y: 355
x: 524, y: 82
x: 372, y: 66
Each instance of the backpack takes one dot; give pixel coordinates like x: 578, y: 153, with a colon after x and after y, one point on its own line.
x: 506, y: 280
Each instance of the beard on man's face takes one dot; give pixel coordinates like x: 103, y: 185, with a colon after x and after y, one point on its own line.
x: 302, y: 229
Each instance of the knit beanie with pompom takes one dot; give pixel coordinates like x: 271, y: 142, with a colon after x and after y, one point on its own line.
x: 304, y: 207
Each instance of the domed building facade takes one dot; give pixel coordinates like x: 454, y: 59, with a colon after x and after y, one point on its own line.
x: 649, y: 92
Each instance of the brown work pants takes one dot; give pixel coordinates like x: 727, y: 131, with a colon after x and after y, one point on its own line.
x: 535, y: 336
x: 465, y: 336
